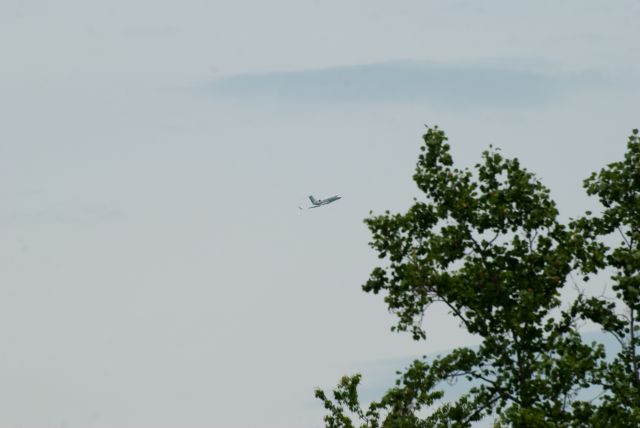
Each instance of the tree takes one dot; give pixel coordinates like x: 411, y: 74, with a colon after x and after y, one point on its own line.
x: 488, y: 244
x: 617, y: 187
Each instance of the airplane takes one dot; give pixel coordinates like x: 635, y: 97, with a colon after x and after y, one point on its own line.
x: 318, y: 203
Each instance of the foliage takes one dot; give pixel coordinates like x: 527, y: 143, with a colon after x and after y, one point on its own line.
x: 488, y: 244
x: 618, y: 189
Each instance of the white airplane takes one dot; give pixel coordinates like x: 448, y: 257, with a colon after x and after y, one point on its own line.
x: 318, y: 203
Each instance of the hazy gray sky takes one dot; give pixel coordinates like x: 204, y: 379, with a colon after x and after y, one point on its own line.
x: 155, y: 270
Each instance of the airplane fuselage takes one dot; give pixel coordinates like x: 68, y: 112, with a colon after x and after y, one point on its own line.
x: 320, y: 202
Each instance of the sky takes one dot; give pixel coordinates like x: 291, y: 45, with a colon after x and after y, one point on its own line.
x: 155, y: 270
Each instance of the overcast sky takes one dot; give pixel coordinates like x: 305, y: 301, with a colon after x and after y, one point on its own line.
x: 155, y: 270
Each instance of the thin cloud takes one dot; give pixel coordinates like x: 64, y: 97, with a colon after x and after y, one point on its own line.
x: 380, y: 375
x: 79, y: 216
x: 407, y: 82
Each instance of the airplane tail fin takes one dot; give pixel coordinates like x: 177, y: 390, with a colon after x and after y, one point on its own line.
x: 313, y: 200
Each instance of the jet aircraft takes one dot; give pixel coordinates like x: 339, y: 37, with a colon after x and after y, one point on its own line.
x: 318, y: 203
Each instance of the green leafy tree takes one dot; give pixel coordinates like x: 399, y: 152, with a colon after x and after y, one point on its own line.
x: 617, y: 187
x: 488, y: 244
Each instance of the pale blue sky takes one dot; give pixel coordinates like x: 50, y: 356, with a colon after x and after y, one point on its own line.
x: 155, y: 270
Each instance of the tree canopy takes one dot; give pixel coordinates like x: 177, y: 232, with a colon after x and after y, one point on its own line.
x: 488, y: 243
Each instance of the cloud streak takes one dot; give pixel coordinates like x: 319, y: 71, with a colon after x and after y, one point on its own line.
x: 380, y: 375
x: 407, y: 82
